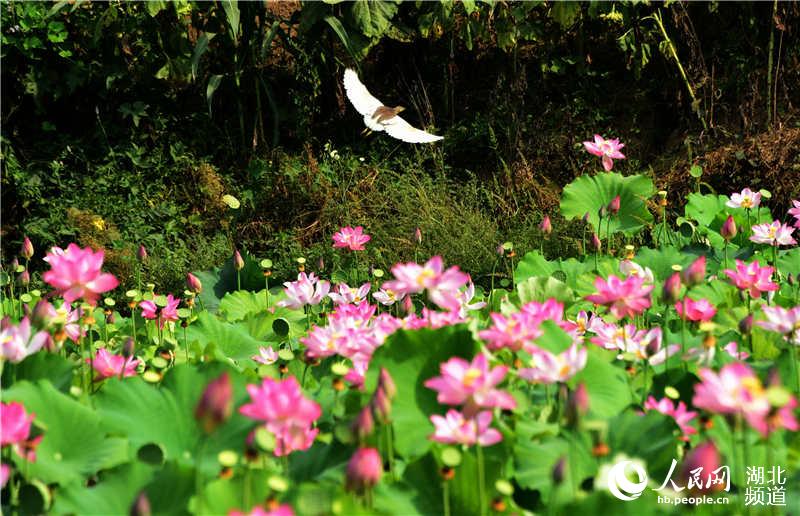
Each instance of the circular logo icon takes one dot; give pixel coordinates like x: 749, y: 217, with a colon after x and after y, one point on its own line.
x: 619, y: 484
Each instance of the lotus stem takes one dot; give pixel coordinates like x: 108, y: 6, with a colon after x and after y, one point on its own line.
x: 481, y: 474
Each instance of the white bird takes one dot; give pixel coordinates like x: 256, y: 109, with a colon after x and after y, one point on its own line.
x: 382, y: 118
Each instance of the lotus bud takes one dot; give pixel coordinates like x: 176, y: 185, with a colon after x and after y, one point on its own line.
x: 194, y: 283
x: 24, y: 278
x: 585, y: 218
x: 596, y: 243
x: 386, y: 383
x: 129, y: 347
x: 578, y: 402
x: 49, y: 343
x: 696, y: 272
x: 364, y: 470
x: 238, y: 261
x: 501, y: 250
x: 614, y: 205
x: 559, y: 470
x: 27, y: 249
x: 408, y: 304
x: 728, y: 229
x: 418, y: 235
x: 546, y: 226
x: 381, y: 406
x: 142, y: 254
x: 602, y: 212
x: 321, y: 263
x: 43, y: 314
x: 141, y: 506
x: 216, y: 404
x: 364, y: 424
x: 706, y: 457
x: 746, y: 325
x: 672, y: 289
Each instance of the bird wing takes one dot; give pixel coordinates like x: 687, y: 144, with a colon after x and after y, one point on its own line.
x: 398, y: 128
x: 358, y: 94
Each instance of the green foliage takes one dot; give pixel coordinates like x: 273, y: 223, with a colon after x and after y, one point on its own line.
x: 411, y: 358
x: 588, y: 194
x: 73, y: 445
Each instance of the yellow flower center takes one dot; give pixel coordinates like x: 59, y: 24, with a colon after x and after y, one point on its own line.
x: 470, y: 376
x: 753, y: 385
x: 747, y: 202
x: 424, y: 275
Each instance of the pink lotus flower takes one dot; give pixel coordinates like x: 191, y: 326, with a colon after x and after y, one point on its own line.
x: 455, y: 428
x: 76, y: 274
x: 15, y: 429
x: 795, y: 212
x: 747, y: 199
x: 578, y: 327
x: 736, y: 389
x: 443, y: 286
x: 307, y: 290
x: 465, y: 299
x: 364, y: 470
x: 387, y: 297
x: 346, y: 295
x: 351, y: 238
x: 701, y: 460
x: 699, y: 311
x: 695, y: 273
x: 18, y: 342
x: 471, y: 384
x: 646, y: 345
x: 516, y: 331
x: 64, y: 317
x: 15, y: 423
x: 107, y: 365
x: 783, y: 321
x: 630, y: 268
x: 679, y: 413
x: 752, y: 277
x: 266, y: 356
x: 287, y: 413
x: 608, y: 150
x: 168, y: 313
x: 216, y: 403
x: 732, y: 349
x: 776, y: 234
x: 623, y: 297
x: 547, y: 367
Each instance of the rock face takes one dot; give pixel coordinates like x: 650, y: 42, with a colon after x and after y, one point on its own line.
x: 769, y: 160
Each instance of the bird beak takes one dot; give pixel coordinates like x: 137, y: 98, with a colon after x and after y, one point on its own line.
x: 399, y: 109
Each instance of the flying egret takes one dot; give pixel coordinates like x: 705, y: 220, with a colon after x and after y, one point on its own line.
x: 378, y: 117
